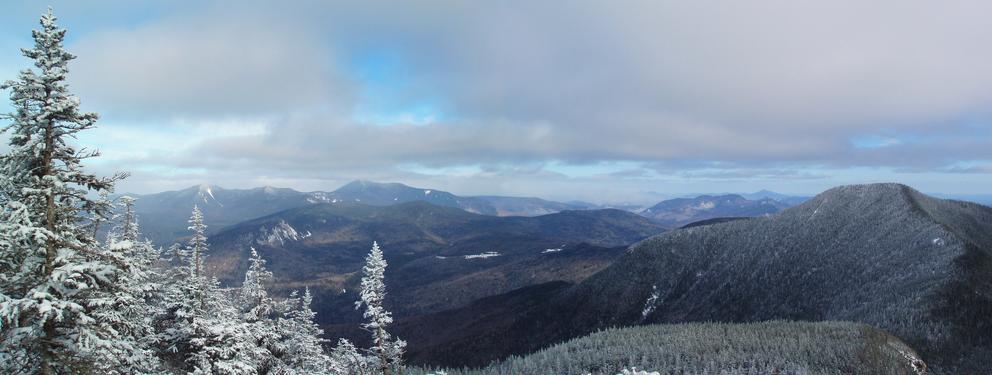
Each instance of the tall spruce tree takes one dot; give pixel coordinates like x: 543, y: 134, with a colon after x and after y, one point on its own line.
x: 386, y: 352
x: 51, y: 267
x: 202, y: 330
x: 301, y: 349
x: 258, y: 312
x: 197, y: 242
x: 132, y: 308
x: 255, y: 302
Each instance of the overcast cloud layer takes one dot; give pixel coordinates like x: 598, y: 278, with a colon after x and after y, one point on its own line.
x: 597, y: 100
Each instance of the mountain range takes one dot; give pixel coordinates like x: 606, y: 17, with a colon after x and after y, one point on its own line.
x: 164, y: 215
x: 474, y: 279
x: 882, y: 254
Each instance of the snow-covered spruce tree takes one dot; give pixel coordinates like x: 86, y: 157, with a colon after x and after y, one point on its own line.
x: 131, y: 310
x: 197, y: 242
x: 386, y: 353
x: 51, y: 267
x: 202, y: 330
x: 302, y: 351
x: 346, y: 360
x: 258, y: 311
x: 254, y: 301
x: 103, y: 213
x: 284, y: 338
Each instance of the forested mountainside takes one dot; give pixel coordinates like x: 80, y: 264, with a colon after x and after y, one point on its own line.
x: 440, y: 257
x: 882, y: 254
x: 774, y: 347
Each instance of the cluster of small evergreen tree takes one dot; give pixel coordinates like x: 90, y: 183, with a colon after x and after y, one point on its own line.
x: 72, y: 303
x: 772, y: 347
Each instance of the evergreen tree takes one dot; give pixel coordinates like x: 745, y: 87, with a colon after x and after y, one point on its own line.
x: 257, y: 311
x: 255, y: 302
x: 132, y: 309
x: 197, y: 242
x: 386, y: 352
x: 346, y: 360
x: 302, y: 340
x: 202, y: 330
x: 51, y: 267
x: 284, y: 337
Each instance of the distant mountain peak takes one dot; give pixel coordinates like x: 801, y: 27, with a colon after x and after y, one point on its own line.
x: 362, y: 185
x: 205, y: 194
x: 681, y: 211
x: 880, y: 187
x: 866, y: 192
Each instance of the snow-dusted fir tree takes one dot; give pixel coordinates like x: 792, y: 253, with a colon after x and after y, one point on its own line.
x: 128, y: 230
x: 254, y: 300
x: 51, y: 267
x: 301, y: 349
x: 258, y: 312
x: 386, y: 352
x: 346, y: 360
x: 131, y: 310
x: 283, y: 335
x: 202, y: 330
x: 197, y: 242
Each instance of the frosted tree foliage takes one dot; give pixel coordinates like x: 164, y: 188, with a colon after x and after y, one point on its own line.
x: 201, y: 329
x: 208, y: 331
x: 51, y: 268
x: 197, y: 242
x: 132, y: 308
x: 72, y: 304
x: 386, y: 352
x: 300, y: 349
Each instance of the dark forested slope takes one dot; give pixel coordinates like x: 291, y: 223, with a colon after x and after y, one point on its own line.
x: 775, y: 347
x: 439, y: 257
x: 881, y: 254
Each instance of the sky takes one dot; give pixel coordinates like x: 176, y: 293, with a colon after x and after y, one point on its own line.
x: 601, y: 101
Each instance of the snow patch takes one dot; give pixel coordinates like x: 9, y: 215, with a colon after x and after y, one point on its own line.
x: 635, y: 371
x: 440, y: 257
x: 651, y: 304
x: 318, y: 197
x: 549, y: 251
x: 279, y: 234
x: 817, y: 210
x: 938, y: 241
x: 427, y: 192
x: 206, y: 194
x: 706, y: 205
x: 488, y: 254
x: 121, y: 245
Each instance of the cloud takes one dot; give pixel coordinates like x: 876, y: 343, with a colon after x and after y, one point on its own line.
x: 767, y: 90
x: 222, y: 62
